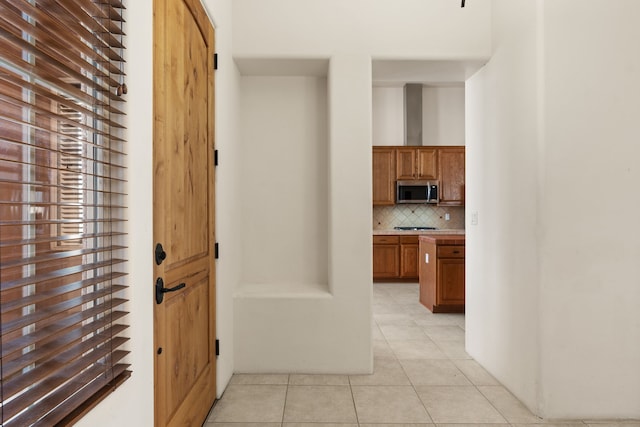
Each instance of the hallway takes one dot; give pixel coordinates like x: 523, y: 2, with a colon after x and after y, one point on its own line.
x: 422, y: 375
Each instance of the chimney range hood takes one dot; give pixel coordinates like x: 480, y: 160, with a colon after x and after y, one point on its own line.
x: 413, y: 114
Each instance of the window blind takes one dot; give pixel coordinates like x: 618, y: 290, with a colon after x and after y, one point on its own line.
x: 63, y: 209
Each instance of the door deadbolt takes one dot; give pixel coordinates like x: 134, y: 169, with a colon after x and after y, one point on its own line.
x: 160, y: 254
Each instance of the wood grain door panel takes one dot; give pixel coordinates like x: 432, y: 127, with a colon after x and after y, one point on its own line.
x: 187, y: 364
x: 184, y: 323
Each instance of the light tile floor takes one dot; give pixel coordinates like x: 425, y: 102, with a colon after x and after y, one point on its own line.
x: 422, y: 376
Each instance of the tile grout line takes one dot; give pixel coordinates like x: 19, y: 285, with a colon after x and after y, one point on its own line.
x: 353, y: 400
x: 413, y: 386
x: 286, y: 393
x: 406, y: 374
x: 491, y: 403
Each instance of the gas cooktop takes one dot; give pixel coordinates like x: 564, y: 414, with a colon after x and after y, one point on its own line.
x: 414, y: 228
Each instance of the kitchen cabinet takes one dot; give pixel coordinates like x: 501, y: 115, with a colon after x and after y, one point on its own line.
x: 446, y: 164
x: 451, y: 176
x: 442, y: 273
x: 416, y: 163
x: 384, y: 175
x: 409, y: 257
x: 386, y: 257
x: 395, y: 257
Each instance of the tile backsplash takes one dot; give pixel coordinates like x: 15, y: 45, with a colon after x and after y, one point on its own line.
x: 387, y: 217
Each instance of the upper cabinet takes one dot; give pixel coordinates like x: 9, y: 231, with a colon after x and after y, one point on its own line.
x: 445, y: 163
x: 384, y: 175
x: 451, y: 176
x: 416, y: 163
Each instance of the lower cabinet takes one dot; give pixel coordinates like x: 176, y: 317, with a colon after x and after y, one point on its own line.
x: 386, y: 257
x: 409, y: 257
x: 442, y: 274
x: 450, y: 282
x: 395, y: 257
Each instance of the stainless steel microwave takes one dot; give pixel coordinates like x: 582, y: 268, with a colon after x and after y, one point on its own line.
x: 417, y: 191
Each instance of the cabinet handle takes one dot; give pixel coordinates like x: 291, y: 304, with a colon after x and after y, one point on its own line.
x: 456, y: 252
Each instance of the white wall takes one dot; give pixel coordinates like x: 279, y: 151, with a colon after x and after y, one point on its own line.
x: 228, y: 173
x: 294, y: 322
x: 502, y: 268
x: 132, y: 403
x: 282, y: 328
x: 443, y: 115
x: 283, y: 181
x: 566, y: 346
x: 443, y: 120
x: 388, y: 115
x: 552, y: 120
x: 438, y: 29
x: 590, y: 288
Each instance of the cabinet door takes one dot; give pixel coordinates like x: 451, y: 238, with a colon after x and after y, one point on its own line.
x: 451, y: 176
x: 384, y: 175
x: 427, y: 163
x: 409, y: 261
x: 386, y: 261
x: 405, y: 163
x: 450, y: 287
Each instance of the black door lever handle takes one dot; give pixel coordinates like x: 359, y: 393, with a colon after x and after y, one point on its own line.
x: 161, y: 290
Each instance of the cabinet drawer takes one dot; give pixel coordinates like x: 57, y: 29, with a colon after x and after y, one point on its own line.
x: 409, y: 240
x: 386, y: 240
x: 451, y: 251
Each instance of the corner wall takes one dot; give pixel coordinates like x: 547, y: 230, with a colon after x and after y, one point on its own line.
x: 227, y: 141
x: 291, y: 323
x: 502, y: 310
x: 552, y: 172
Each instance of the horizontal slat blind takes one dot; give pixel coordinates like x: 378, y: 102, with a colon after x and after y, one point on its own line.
x: 63, y: 279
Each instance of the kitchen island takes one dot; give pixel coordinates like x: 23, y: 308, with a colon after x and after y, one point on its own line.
x: 442, y: 272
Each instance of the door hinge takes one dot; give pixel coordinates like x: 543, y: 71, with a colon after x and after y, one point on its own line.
x: 216, y: 250
x: 217, y: 347
x: 215, y: 61
x: 215, y: 157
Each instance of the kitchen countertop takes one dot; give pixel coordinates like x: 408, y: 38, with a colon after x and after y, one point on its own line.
x: 443, y: 239
x: 418, y: 232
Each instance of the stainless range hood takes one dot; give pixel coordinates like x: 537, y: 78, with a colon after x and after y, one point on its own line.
x: 413, y: 114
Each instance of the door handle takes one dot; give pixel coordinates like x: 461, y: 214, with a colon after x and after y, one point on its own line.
x: 161, y: 290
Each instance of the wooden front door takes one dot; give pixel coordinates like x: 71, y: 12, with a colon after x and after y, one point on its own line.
x: 183, y: 222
